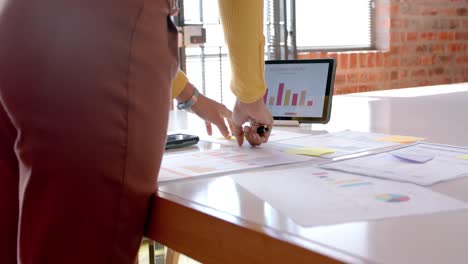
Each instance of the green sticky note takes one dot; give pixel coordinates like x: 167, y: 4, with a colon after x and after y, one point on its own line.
x: 400, y: 139
x: 464, y: 157
x: 311, y: 151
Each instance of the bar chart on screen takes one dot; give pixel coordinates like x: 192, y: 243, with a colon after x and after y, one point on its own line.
x: 296, y: 90
x: 289, y: 101
x: 281, y: 93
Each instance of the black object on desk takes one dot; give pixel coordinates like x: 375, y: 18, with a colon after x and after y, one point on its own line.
x: 180, y: 140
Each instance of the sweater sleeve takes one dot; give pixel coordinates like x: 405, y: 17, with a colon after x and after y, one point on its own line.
x: 179, y: 83
x: 242, y: 22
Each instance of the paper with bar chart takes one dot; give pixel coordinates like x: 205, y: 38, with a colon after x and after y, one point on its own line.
x: 179, y: 166
x: 296, y: 90
x: 421, y: 163
x: 311, y: 196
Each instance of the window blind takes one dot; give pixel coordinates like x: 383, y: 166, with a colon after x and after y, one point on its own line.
x: 334, y: 24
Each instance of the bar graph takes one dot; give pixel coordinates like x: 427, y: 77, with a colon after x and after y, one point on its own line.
x: 302, y: 100
x: 294, y: 100
x: 296, y: 89
x: 286, y: 97
x: 279, y: 97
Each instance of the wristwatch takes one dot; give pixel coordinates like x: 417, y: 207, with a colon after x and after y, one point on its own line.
x: 190, y: 102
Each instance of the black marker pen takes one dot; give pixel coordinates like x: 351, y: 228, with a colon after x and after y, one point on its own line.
x: 262, y: 130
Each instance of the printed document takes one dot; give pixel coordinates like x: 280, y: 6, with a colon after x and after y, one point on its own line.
x: 223, y: 160
x: 421, y: 163
x: 340, y: 143
x: 274, y: 136
x: 312, y: 196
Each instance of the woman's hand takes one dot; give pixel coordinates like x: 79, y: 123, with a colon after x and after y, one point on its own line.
x: 209, y: 110
x: 213, y: 113
x: 257, y: 115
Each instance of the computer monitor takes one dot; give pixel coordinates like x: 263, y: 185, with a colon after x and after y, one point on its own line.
x: 300, y: 90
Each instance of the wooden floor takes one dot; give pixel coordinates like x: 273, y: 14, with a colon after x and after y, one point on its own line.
x: 143, y: 256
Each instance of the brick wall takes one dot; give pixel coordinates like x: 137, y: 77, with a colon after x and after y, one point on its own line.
x: 419, y: 42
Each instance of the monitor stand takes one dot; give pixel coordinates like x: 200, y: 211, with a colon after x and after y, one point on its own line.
x: 290, y: 123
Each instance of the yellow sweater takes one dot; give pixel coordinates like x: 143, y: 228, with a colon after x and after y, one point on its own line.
x: 242, y: 22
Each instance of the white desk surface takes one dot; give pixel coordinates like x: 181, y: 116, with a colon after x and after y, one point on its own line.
x: 438, y: 113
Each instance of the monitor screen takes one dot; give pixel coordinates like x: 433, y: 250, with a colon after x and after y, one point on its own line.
x: 300, y: 89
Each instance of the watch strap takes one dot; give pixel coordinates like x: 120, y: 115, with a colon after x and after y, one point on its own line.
x: 190, y: 102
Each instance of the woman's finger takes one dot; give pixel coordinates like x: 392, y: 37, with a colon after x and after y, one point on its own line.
x: 252, y: 137
x: 223, y: 128
x: 231, y: 126
x: 239, y: 134
x: 209, y: 129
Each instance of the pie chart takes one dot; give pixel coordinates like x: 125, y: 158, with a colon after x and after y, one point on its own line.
x: 392, y: 198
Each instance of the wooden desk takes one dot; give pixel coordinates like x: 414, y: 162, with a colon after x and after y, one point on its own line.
x: 216, y: 221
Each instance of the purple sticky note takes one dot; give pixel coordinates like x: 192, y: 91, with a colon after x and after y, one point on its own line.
x: 413, y: 157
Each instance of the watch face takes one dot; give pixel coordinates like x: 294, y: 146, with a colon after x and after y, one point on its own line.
x: 182, y: 106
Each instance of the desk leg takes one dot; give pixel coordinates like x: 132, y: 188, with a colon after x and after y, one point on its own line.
x: 151, y: 251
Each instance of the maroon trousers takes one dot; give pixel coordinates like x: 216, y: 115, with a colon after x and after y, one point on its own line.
x: 84, y: 101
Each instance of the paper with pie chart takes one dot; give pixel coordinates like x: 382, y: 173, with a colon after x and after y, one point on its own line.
x: 311, y: 196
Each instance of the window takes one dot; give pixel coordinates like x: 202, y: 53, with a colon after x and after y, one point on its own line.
x: 334, y: 24
x: 318, y: 25
x: 207, y: 65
